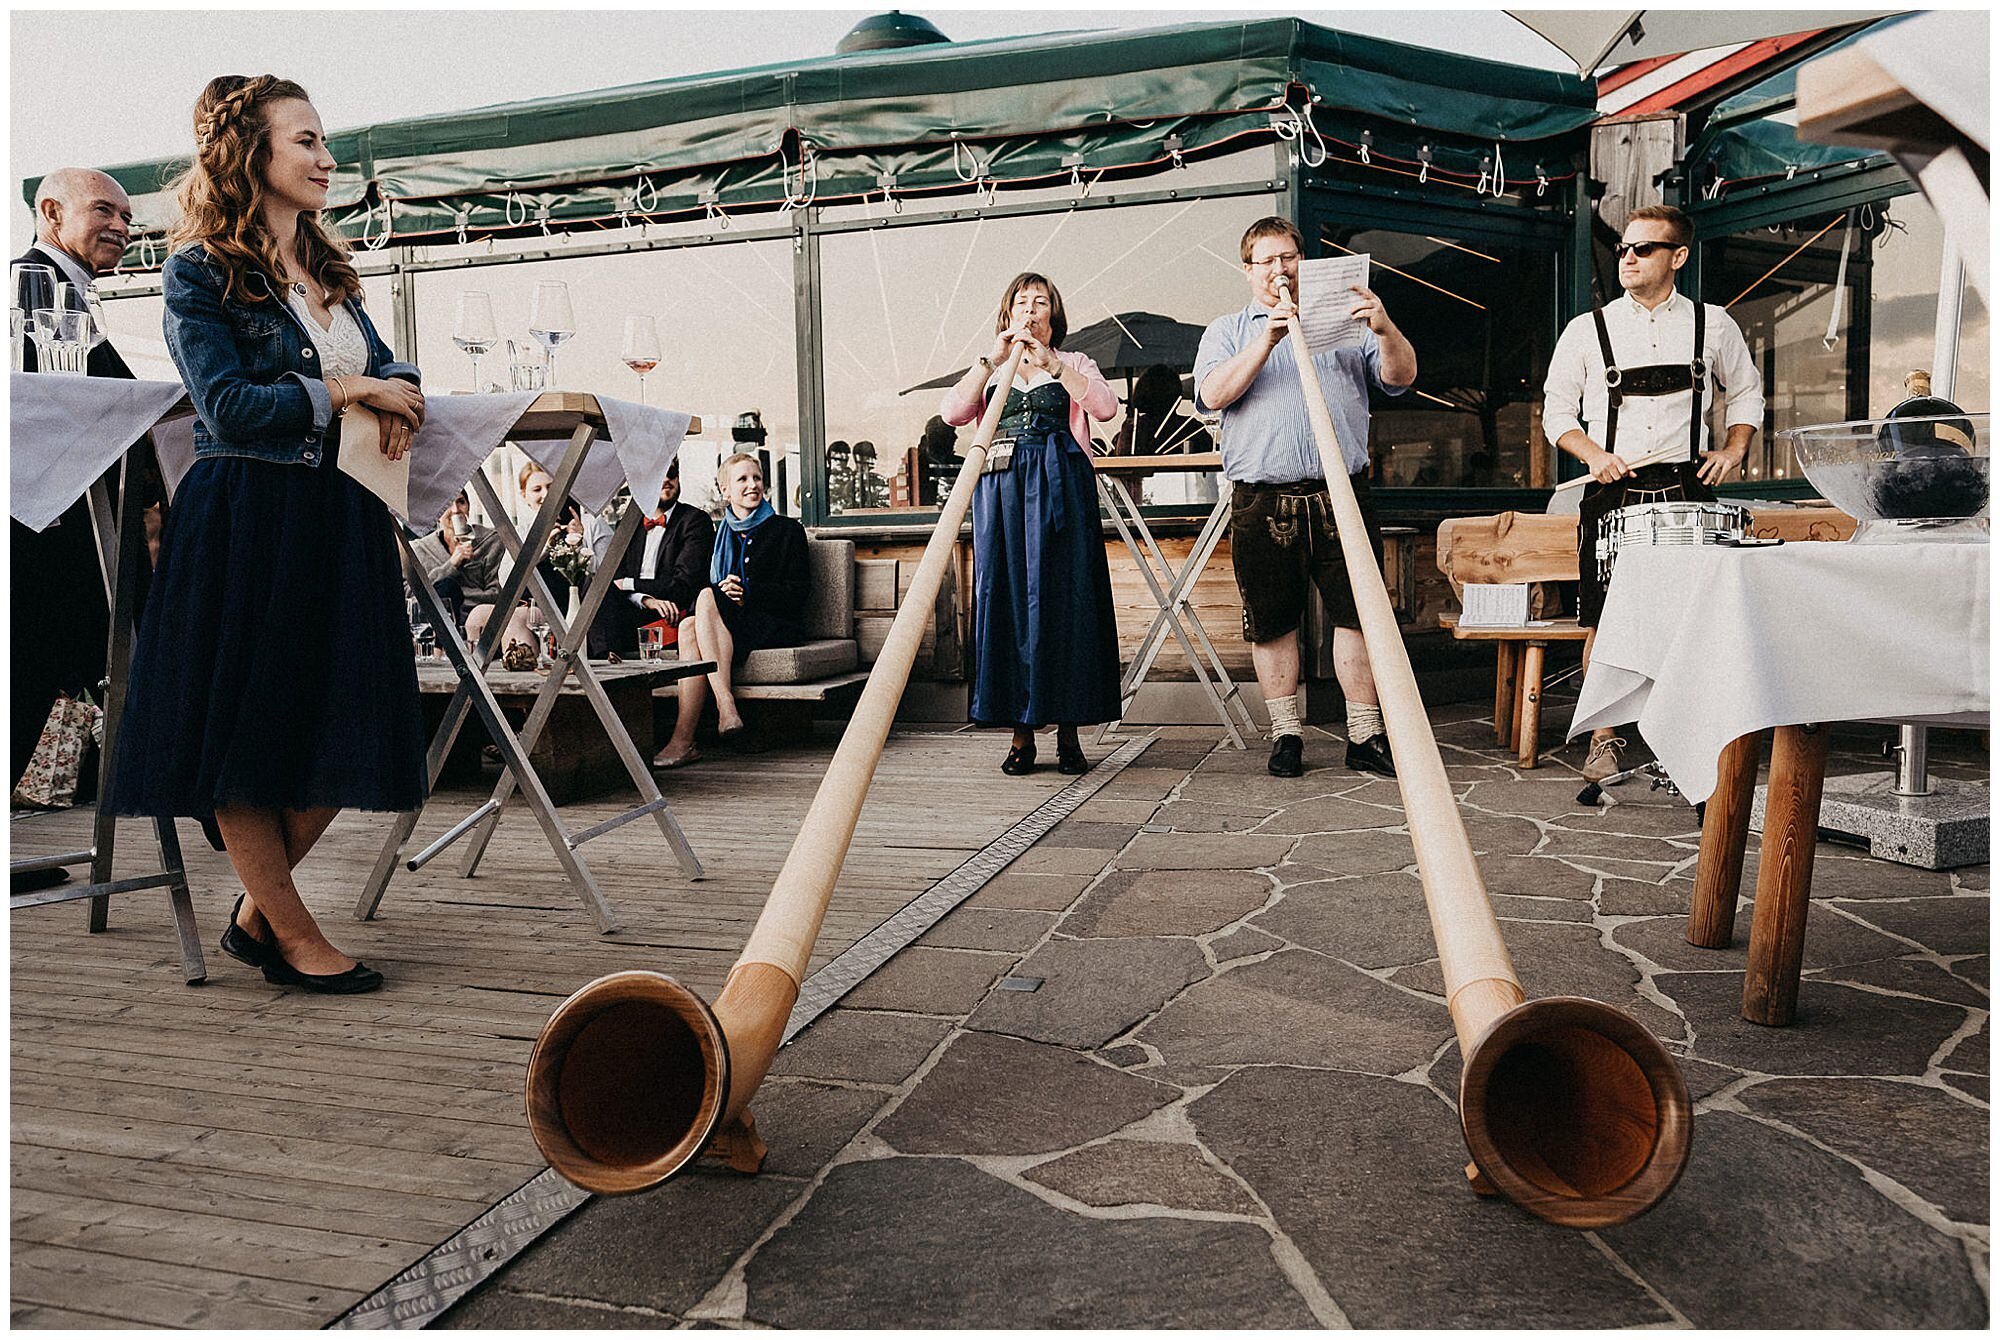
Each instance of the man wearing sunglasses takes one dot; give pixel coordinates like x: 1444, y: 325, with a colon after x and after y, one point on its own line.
x: 1633, y: 380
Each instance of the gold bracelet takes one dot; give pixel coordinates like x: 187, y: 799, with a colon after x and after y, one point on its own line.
x: 346, y: 397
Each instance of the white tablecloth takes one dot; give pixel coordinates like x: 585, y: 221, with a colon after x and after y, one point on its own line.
x: 460, y: 431
x: 1702, y: 645
x: 66, y: 431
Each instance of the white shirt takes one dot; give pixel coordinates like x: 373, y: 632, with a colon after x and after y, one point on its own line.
x: 69, y: 270
x: 1574, y: 396
x: 649, y: 561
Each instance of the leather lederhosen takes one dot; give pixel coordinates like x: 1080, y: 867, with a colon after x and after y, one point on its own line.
x: 1666, y: 481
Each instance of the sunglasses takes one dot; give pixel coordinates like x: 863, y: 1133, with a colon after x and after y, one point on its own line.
x: 1641, y: 249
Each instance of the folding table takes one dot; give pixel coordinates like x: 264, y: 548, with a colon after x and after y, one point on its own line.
x: 1176, y: 610
x: 66, y: 432
x: 581, y: 421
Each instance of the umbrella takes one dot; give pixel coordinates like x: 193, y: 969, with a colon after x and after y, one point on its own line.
x: 1122, y: 346
x: 1594, y: 38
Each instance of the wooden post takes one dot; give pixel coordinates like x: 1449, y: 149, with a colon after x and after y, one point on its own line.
x: 1784, y: 874
x: 1505, y: 678
x: 1725, y: 830
x: 1530, y: 742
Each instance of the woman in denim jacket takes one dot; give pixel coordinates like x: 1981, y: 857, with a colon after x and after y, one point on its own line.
x: 272, y: 684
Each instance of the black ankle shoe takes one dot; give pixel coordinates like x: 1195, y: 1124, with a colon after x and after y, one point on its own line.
x: 1288, y: 757
x: 353, y: 982
x: 1020, y: 760
x: 1070, y: 759
x: 244, y: 947
x: 1372, y: 755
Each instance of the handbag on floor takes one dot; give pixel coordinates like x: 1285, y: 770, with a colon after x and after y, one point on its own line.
x: 75, y: 726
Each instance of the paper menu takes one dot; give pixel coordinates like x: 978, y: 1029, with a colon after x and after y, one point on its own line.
x: 362, y: 460
x: 1325, y: 300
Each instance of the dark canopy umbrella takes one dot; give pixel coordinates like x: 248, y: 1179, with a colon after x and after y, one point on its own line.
x: 1121, y: 346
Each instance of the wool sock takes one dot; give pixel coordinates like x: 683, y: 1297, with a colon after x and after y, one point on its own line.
x: 1285, y: 716
x: 1364, y: 721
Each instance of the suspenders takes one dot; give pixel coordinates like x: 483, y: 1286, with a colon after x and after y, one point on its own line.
x: 1654, y: 379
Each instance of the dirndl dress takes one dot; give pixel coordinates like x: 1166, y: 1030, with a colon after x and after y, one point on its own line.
x: 1044, y: 631
x: 273, y: 666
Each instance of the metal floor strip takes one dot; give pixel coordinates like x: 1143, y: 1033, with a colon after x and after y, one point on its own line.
x: 421, y: 1293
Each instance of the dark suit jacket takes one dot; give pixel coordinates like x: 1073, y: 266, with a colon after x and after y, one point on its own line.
x: 60, y: 619
x: 682, y: 572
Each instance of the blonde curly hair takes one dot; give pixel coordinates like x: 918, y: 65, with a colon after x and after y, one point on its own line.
x: 222, y: 193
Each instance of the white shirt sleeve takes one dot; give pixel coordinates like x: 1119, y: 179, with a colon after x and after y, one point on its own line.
x: 1562, y: 390
x: 1742, y: 384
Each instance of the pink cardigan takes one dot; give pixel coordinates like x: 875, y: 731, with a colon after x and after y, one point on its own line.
x: 1099, y: 402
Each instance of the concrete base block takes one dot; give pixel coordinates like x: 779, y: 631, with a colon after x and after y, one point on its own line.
x: 1946, y: 829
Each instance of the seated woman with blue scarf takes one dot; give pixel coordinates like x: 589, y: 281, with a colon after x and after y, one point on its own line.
x: 756, y: 597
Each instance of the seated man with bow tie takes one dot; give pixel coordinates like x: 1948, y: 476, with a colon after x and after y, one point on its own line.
x: 659, y: 576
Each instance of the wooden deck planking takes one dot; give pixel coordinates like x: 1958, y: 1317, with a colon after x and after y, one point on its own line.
x: 238, y: 1155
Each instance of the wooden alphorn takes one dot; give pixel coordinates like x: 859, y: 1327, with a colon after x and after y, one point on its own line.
x: 1570, y: 1108
x: 634, y: 1076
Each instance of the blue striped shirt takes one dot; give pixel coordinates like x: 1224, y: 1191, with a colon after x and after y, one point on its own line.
x: 1266, y: 436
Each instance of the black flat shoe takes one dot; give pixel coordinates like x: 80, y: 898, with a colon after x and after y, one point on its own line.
x: 353, y: 982
x: 244, y: 947
x: 1071, y: 761
x: 1288, y: 757
x: 30, y: 880
x: 1020, y: 760
x: 1372, y: 755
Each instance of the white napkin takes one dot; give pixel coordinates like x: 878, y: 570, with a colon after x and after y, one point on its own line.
x: 67, y: 431
x: 644, y: 442
x: 459, y: 432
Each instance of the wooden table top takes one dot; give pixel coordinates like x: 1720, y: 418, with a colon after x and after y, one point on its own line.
x: 556, y: 414
x: 1170, y: 463
x: 439, y: 677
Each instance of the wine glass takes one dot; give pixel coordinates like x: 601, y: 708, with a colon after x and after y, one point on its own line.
x: 34, y: 291
x: 642, y: 348
x: 70, y: 299
x: 551, y: 321
x: 474, y: 332
x: 538, y: 624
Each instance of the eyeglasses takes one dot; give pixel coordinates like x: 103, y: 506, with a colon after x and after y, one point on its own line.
x: 1642, y: 249
x: 1276, y: 262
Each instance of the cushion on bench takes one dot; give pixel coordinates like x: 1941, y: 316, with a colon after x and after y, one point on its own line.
x: 830, y: 600
x: 792, y: 665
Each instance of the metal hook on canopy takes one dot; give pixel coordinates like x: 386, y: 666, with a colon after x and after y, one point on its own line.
x: 462, y: 220
x: 1367, y: 144
x: 1541, y: 181
x: 711, y: 208
x: 1175, y: 147
x: 887, y: 181
x: 1424, y: 164
x: 1485, y: 174
x: 542, y: 217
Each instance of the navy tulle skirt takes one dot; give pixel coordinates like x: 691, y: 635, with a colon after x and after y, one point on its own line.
x: 1044, y: 632
x: 273, y: 666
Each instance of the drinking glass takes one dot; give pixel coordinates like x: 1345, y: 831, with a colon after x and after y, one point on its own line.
x: 63, y: 340
x: 17, y: 337
x: 642, y: 348
x: 538, y: 624
x: 34, y: 291
x: 530, y: 369
x: 550, y: 319
x: 70, y: 299
x: 474, y: 331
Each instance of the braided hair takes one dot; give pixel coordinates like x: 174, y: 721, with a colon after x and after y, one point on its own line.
x: 222, y: 193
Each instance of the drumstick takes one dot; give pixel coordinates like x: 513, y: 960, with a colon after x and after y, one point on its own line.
x: 1653, y: 459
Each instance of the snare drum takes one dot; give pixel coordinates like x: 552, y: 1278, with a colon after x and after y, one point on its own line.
x: 1666, y: 523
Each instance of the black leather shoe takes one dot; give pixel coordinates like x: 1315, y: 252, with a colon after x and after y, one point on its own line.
x: 1020, y: 760
x: 1070, y: 759
x: 1288, y: 757
x: 30, y: 880
x: 353, y: 982
x: 1372, y: 755
x: 244, y: 947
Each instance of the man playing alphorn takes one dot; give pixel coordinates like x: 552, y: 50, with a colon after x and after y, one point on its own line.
x: 1655, y: 339
x: 1281, y: 529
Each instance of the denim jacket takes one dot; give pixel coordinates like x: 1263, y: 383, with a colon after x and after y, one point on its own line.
x: 252, y: 368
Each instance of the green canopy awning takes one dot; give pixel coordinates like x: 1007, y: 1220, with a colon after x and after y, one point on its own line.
x: 1007, y: 111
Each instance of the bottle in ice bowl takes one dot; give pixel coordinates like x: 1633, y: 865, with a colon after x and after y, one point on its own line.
x: 1919, y: 474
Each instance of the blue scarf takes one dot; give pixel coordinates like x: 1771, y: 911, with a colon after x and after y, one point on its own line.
x: 732, y: 542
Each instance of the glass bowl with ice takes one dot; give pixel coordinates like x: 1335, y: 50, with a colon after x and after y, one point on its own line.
x: 1914, y: 478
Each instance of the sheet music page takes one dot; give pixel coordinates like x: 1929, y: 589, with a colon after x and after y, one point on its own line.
x: 362, y: 459
x: 1324, y: 301
x: 1494, y: 606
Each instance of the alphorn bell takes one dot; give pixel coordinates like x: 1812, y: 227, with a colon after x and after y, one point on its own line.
x: 1571, y: 1109
x: 634, y: 1076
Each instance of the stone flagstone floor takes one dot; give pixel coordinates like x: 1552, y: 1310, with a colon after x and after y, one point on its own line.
x: 1231, y: 1101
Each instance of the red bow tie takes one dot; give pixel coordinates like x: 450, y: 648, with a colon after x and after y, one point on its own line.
x: 648, y: 522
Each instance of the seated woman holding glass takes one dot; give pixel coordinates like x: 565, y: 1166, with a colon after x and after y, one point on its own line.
x: 755, y: 598
x: 535, y: 482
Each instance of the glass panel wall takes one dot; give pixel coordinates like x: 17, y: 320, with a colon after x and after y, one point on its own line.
x: 1834, y: 347
x: 1481, y: 316
x: 906, y: 310
x: 725, y: 321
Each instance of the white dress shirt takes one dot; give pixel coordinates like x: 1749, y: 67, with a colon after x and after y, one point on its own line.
x: 68, y: 269
x: 1574, y: 396
x: 649, y: 561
